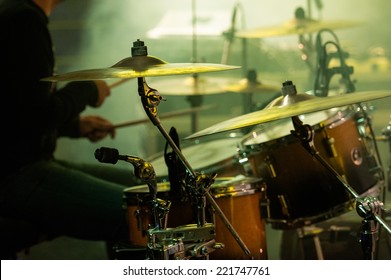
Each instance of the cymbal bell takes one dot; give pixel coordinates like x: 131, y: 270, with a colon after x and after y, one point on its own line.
x: 140, y: 66
x: 194, y: 85
x: 289, y: 106
x: 295, y: 26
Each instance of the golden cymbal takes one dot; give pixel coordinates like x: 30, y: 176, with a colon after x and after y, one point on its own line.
x: 295, y: 26
x: 194, y: 85
x: 246, y: 86
x: 140, y: 66
x: 289, y: 106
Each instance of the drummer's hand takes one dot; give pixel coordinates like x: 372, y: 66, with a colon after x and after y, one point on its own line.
x: 95, y: 128
x: 103, y: 92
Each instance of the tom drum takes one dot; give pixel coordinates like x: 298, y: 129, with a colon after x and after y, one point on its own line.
x: 299, y: 190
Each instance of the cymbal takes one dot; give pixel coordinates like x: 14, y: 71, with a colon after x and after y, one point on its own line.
x: 295, y: 26
x: 140, y: 66
x: 246, y: 86
x: 289, y: 106
x: 194, y: 85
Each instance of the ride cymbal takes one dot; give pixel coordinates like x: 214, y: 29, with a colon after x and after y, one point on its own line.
x: 140, y: 66
x: 299, y: 25
x: 295, y: 26
x: 289, y: 106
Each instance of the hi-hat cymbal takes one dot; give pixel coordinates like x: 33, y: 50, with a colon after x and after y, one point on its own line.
x: 246, y: 86
x: 194, y: 85
x: 289, y: 106
x: 140, y: 66
x: 295, y: 26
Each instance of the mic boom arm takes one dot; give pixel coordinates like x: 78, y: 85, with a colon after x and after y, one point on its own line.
x: 142, y: 169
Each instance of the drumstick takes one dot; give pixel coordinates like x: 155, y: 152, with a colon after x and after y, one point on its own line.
x: 382, y: 138
x: 166, y: 115
x: 117, y: 83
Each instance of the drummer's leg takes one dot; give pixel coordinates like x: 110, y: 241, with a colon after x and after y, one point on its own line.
x: 66, y: 201
x: 122, y: 173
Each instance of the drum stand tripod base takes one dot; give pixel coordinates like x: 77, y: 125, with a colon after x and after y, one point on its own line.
x: 367, y: 207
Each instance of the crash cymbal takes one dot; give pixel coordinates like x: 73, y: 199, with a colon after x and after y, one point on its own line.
x: 289, y: 106
x: 295, y: 26
x: 140, y: 66
x: 246, y: 86
x: 194, y: 85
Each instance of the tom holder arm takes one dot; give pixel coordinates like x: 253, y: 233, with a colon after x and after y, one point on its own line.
x: 367, y: 207
x: 150, y: 99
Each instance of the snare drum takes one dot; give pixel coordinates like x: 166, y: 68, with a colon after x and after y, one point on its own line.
x: 239, y: 199
x: 137, y: 204
x: 300, y: 191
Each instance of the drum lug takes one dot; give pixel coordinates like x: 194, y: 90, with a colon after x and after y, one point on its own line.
x: 264, y: 204
x: 265, y: 208
x: 137, y: 215
x: 284, y: 205
x: 270, y: 167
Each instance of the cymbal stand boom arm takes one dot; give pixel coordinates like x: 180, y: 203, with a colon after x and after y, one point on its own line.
x: 150, y: 99
x: 367, y: 207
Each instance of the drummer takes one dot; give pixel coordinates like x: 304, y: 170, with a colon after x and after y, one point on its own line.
x: 51, y: 196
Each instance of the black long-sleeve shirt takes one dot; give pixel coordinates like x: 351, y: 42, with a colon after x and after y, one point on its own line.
x: 33, y: 113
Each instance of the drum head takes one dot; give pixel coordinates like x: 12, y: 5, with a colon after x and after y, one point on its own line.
x: 201, y: 154
x: 144, y: 189
x: 235, y: 186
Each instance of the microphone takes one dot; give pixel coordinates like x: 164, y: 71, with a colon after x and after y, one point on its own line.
x: 107, y: 155
x: 319, y: 4
x: 142, y: 169
x: 299, y: 13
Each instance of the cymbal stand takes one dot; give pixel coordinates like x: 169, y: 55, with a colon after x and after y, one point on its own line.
x: 387, y: 135
x: 386, y: 131
x: 229, y: 36
x: 305, y: 45
x: 195, y: 101
x: 198, y: 184
x: 368, y: 208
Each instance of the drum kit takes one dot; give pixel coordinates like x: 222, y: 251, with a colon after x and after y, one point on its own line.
x: 217, y: 206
